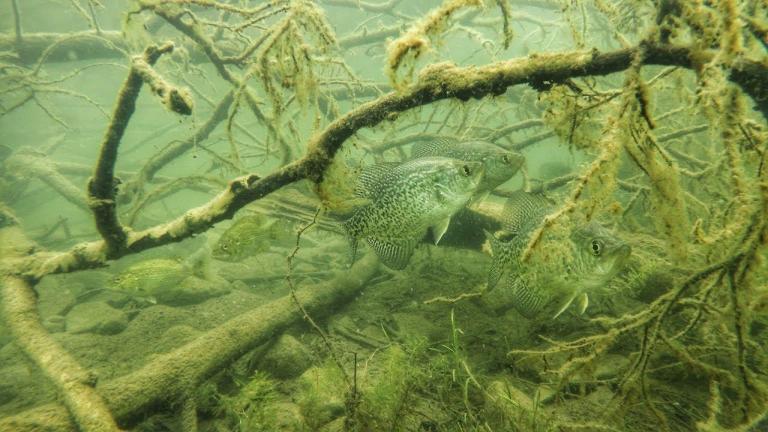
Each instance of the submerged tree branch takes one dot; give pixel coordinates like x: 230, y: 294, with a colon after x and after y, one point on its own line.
x: 102, y: 187
x: 74, y: 384
x: 437, y: 82
x: 169, y: 377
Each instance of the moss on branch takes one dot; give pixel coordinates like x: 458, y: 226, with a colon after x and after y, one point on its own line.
x: 74, y: 384
x: 437, y: 82
x: 169, y: 377
x: 175, y: 99
x: 103, y: 186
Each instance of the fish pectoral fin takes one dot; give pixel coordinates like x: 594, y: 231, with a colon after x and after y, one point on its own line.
x: 439, y: 229
x: 394, y: 253
x: 567, y: 303
x: 583, y: 303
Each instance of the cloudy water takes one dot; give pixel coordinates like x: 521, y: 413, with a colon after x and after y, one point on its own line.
x: 344, y: 215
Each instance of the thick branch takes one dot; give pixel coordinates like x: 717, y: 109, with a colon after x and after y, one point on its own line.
x: 365, y: 37
x: 437, y: 82
x: 90, y: 44
x: 74, y: 384
x: 102, y: 187
x: 19, y: 309
x: 169, y: 377
x: 174, y: 98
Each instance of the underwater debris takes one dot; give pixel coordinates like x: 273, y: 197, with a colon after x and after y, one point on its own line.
x: 697, y: 324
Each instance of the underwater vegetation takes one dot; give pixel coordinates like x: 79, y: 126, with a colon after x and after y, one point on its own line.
x: 556, y: 213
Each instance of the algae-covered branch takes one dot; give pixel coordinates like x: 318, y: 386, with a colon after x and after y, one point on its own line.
x: 570, y: 216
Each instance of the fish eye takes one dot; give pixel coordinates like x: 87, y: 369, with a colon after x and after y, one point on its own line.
x: 465, y: 169
x: 505, y: 158
x: 597, y: 247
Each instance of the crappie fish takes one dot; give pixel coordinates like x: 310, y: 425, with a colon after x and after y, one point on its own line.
x: 596, y: 257
x: 499, y: 164
x: 251, y: 235
x: 146, y: 278
x: 403, y: 200
x: 169, y: 281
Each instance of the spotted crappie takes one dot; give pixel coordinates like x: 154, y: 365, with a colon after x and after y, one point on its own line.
x: 596, y: 257
x: 251, y: 235
x: 403, y: 200
x: 147, y: 278
x: 169, y: 281
x: 499, y: 164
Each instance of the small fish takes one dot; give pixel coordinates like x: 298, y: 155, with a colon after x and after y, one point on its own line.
x: 404, y: 200
x: 252, y: 235
x: 147, y: 278
x: 170, y: 281
x: 499, y: 164
x: 597, y: 256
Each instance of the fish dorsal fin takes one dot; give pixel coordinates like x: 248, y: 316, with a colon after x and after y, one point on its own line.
x: 522, y: 208
x: 371, y: 177
x: 394, y: 253
x: 433, y: 147
x: 439, y: 229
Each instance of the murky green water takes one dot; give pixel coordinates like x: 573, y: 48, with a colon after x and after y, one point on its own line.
x: 340, y: 235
